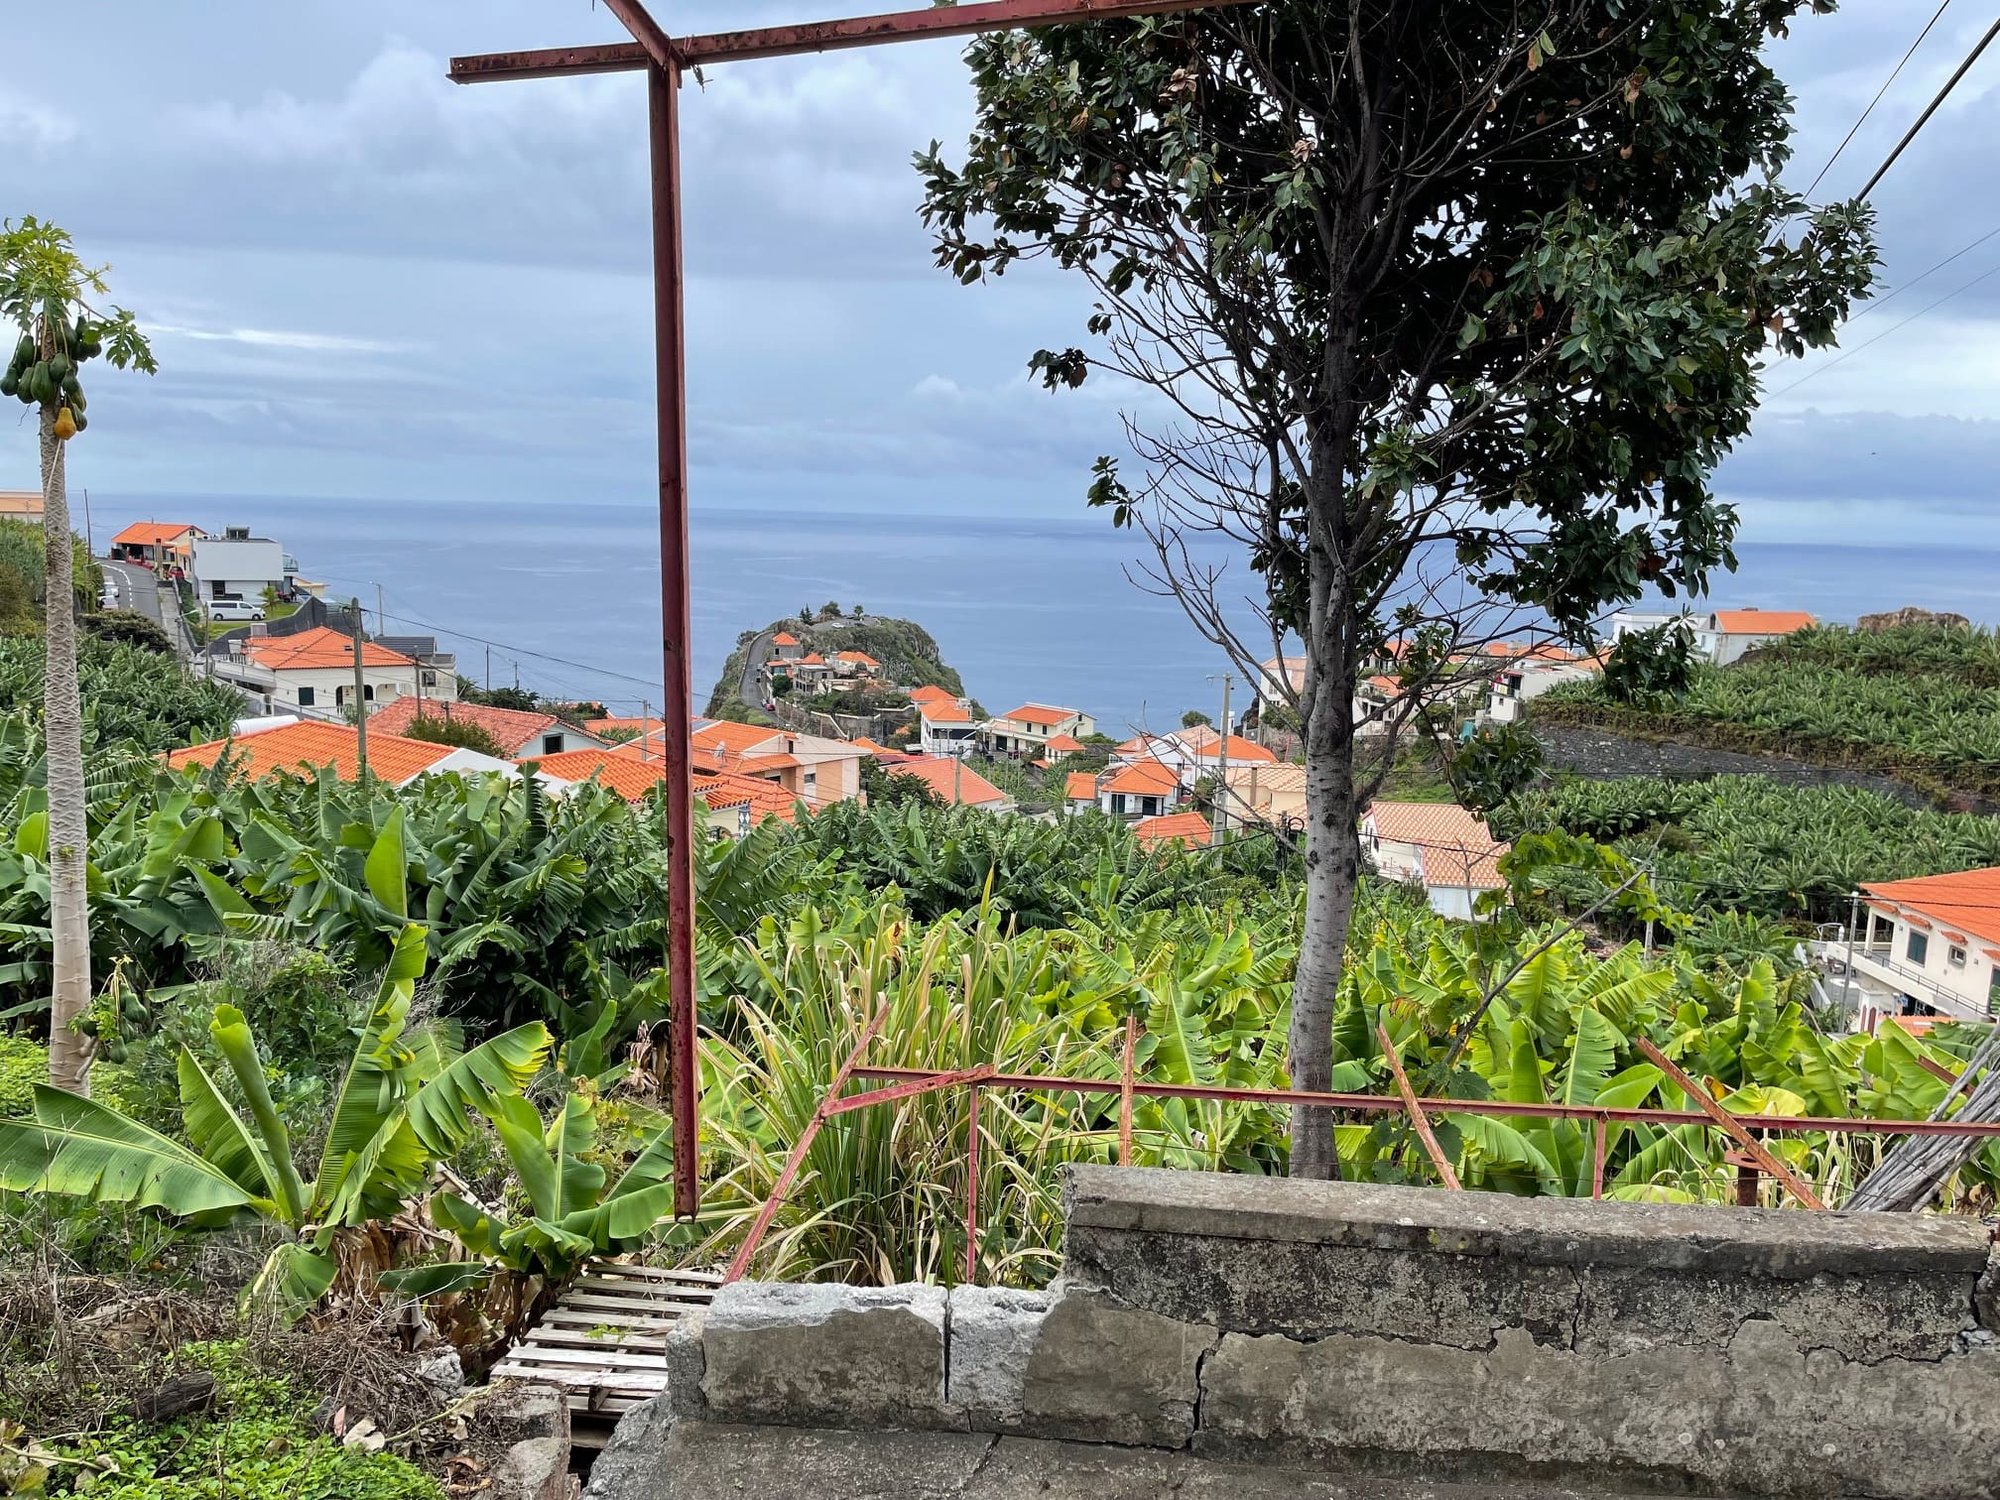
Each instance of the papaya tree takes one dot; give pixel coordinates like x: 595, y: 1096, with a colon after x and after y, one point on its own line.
x: 46, y: 293
x: 1446, y: 314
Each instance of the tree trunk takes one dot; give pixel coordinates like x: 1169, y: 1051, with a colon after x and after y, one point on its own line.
x: 69, y: 834
x: 1333, y: 867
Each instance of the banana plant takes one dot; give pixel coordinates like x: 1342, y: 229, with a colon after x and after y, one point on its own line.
x: 408, y: 1100
x: 571, y: 1215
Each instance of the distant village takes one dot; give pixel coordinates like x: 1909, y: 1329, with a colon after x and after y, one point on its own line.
x: 304, y: 665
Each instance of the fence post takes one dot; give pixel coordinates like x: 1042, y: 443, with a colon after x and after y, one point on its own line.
x: 972, y: 1186
x: 1125, y: 1091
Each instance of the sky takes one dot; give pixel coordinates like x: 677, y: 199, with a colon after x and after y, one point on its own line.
x: 364, y: 281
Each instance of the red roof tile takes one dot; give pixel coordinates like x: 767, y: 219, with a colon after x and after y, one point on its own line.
x: 300, y: 748
x: 317, y: 650
x: 951, y: 779
x: 1143, y: 778
x: 930, y: 693
x: 1969, y: 901
x: 944, y: 712
x: 152, y: 533
x: 1185, y: 827
x: 784, y: 638
x: 1762, y: 621
x: 1062, y: 744
x: 514, y: 730
x: 1041, y: 714
x: 1080, y: 786
x: 1453, y: 843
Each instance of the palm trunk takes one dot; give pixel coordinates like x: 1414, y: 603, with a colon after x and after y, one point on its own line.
x: 1333, y: 867
x: 69, y: 834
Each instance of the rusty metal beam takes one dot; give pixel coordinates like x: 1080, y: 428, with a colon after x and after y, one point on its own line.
x: 676, y: 629
x: 1752, y: 1147
x: 909, y: 1089
x: 648, y: 33
x: 815, y: 36
x: 972, y: 1185
x: 1125, y: 1091
x: 1381, y: 1103
x: 1418, y: 1118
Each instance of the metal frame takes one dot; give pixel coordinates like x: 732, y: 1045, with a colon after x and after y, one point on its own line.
x: 665, y: 60
x: 1748, y: 1155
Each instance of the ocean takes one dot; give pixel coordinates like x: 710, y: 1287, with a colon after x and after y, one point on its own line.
x: 1047, y: 610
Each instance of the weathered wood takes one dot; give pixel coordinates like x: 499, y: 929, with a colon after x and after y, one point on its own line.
x: 192, y: 1391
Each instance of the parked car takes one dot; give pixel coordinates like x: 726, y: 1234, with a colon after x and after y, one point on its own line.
x: 234, y: 609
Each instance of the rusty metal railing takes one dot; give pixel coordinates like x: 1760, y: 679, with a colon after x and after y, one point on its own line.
x: 1750, y: 1158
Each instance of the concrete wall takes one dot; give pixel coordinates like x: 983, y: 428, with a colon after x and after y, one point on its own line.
x: 1246, y: 1326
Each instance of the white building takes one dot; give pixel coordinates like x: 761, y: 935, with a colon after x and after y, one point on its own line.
x: 1524, y: 677
x: 1026, y: 731
x: 1722, y: 636
x: 237, y: 565
x: 946, y: 728
x: 1927, y: 947
x: 1441, y: 846
x: 313, y: 672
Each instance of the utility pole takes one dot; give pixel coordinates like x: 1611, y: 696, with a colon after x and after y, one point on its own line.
x: 89, y: 531
x: 381, y: 620
x: 645, y: 733
x: 1220, y: 798
x: 360, y: 698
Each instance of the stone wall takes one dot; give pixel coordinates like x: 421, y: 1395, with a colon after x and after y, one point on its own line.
x: 1302, y: 1332
x: 1604, y: 754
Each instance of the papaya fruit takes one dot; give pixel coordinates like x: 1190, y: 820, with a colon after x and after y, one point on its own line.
x: 10, y: 384
x: 60, y: 366
x: 81, y: 422
x: 65, y: 425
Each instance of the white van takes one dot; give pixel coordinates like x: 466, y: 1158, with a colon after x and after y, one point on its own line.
x: 234, y: 609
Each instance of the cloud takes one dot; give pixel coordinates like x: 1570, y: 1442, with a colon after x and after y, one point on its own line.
x: 273, y: 338
x: 29, y: 123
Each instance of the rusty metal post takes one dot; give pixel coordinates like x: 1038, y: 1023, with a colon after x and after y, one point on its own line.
x: 1600, y: 1128
x: 670, y: 397
x: 972, y: 1186
x: 1746, y: 1183
x: 1415, y: 1110
x: 1752, y: 1147
x: 1125, y: 1091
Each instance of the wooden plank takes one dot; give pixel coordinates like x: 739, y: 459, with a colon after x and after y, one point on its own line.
x: 605, y: 1303
x: 644, y: 1291
x: 595, y: 1359
x: 654, y: 1273
x: 621, y: 1322
x: 578, y: 1338
x: 637, y: 1389
x: 1752, y: 1147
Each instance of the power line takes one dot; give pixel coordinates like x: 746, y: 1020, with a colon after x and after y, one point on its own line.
x: 1922, y: 276
x: 1931, y: 109
x: 1892, y: 328
x: 1844, y: 140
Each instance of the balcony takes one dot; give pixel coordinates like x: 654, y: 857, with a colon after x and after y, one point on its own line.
x: 1876, y: 961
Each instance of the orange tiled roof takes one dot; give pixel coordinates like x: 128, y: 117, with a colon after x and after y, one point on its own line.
x: 629, y: 778
x: 317, y: 650
x: 1063, y: 744
x: 1080, y: 786
x: 152, y: 533
x: 1139, y: 744
x: 1041, y: 714
x: 1143, y: 778
x: 1762, y: 621
x: 739, y: 739
x: 858, y: 658
x: 950, y: 779
x: 931, y: 693
x: 617, y: 725
x: 1184, y: 827
x: 1201, y: 739
x: 300, y: 748
x: 944, y: 712
x: 1969, y: 901
x: 512, y: 729
x: 812, y: 659
x: 784, y: 638
x: 765, y: 799
x: 1453, y: 843
x: 862, y: 742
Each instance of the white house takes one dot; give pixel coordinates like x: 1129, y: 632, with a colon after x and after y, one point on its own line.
x: 237, y: 565
x: 1928, y: 947
x: 1726, y: 635
x: 1527, y: 675
x: 1026, y: 731
x: 313, y: 671
x: 520, y: 733
x: 299, y: 747
x: 1441, y: 846
x: 945, y: 727
x: 1138, y: 789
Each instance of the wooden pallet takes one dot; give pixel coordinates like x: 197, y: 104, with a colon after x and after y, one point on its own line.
x: 604, y: 1342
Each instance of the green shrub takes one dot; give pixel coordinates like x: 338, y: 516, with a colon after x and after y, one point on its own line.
x: 462, y: 733
x: 256, y: 1442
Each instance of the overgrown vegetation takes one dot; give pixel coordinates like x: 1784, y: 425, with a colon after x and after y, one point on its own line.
x: 132, y: 696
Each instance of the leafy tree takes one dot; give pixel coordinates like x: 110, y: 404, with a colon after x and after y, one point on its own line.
x: 436, y: 729
x: 1494, y: 764
x: 129, y: 628
x: 829, y: 610
x: 1647, y: 666
x: 1454, y: 308
x: 45, y: 292
x: 891, y: 788
x: 1195, y: 716
x: 523, y: 699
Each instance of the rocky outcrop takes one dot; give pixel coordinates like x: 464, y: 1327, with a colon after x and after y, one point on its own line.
x: 1909, y: 614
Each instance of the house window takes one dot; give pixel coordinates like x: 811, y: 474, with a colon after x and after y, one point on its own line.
x: 811, y: 784
x: 551, y: 744
x: 1919, y: 948
x: 368, y: 691
x: 1955, y: 956
x: 1149, y: 806
x: 1883, y: 931
x: 1118, y: 802
x: 305, y: 697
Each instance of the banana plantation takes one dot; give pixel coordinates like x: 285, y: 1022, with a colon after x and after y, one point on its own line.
x: 1916, y: 703
x: 396, y: 1048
